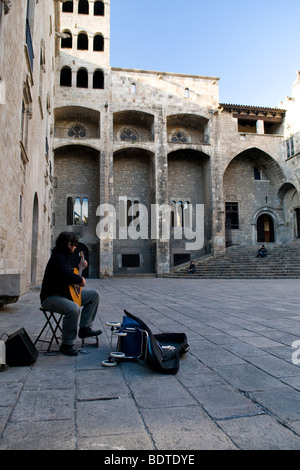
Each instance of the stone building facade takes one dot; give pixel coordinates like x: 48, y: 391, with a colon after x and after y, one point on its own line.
x: 147, y: 167
x: 27, y: 51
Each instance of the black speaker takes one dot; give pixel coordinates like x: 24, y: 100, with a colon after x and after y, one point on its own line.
x: 20, y: 350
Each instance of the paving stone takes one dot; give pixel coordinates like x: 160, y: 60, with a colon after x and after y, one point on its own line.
x: 185, y: 428
x: 247, y: 377
x: 260, y: 433
x: 223, y: 401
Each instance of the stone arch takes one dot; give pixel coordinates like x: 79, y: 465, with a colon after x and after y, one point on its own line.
x: 194, y: 126
x: 250, y: 194
x: 140, y: 123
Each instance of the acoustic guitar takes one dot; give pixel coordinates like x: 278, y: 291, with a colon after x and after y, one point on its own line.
x: 75, y: 290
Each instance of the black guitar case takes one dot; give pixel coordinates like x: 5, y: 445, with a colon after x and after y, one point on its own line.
x: 164, y: 349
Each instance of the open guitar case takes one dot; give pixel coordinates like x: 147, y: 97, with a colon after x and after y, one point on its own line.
x: 160, y: 351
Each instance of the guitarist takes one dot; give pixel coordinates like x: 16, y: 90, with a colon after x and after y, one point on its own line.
x: 55, y: 295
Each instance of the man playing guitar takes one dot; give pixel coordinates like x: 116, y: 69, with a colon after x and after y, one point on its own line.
x: 56, y: 294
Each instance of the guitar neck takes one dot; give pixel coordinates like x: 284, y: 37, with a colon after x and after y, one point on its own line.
x: 81, y: 264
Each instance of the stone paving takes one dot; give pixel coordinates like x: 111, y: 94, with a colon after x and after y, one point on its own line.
x: 237, y: 387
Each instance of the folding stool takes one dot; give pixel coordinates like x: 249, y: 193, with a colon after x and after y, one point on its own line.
x: 53, y: 323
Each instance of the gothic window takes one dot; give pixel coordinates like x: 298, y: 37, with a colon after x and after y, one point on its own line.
x: 98, y: 80
x: 77, y: 131
x: 187, y: 93
x: 133, y: 88
x: 82, y: 79
x: 180, y: 213
x: 66, y: 43
x: 66, y: 76
x: 70, y: 211
x: 179, y: 137
x: 82, y: 42
x: 128, y: 135
x: 128, y: 211
x: 83, y: 7
x: 67, y: 7
x: 98, y: 44
x: 99, y: 8
x: 77, y: 213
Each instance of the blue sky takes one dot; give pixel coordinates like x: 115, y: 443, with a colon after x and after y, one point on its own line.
x: 253, y: 47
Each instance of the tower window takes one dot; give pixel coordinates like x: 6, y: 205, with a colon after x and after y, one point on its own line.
x: 99, y: 8
x: 83, y: 7
x: 82, y: 78
x: 65, y: 76
x: 67, y: 7
x: 82, y: 42
x: 66, y: 43
x: 98, y: 79
x: 98, y: 43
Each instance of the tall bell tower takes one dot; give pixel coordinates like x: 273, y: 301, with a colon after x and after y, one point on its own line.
x: 85, y: 33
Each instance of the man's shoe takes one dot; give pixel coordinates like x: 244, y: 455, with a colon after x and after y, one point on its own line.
x: 68, y: 349
x: 88, y: 332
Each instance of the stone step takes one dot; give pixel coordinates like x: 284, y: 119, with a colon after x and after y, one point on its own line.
x: 283, y: 261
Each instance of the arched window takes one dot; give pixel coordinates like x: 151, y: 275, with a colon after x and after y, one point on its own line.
x: 187, y: 214
x: 82, y: 42
x: 98, y: 43
x: 77, y: 213
x: 133, y: 88
x: 173, y: 210
x: 66, y: 76
x: 66, y: 43
x: 99, y: 8
x: 82, y: 79
x: 98, y: 80
x: 67, y: 7
x: 85, y: 211
x: 70, y: 211
x: 83, y: 7
x: 180, y: 214
x: 187, y: 92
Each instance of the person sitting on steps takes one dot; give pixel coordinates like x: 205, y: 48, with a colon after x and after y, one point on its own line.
x: 191, y: 268
x: 262, y: 252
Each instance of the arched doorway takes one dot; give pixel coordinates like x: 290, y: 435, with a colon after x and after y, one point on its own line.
x: 34, y: 239
x: 265, y: 229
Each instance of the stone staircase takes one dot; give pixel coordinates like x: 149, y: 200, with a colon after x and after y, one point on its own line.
x: 283, y: 261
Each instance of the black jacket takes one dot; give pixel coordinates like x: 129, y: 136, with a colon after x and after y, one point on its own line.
x: 58, y: 276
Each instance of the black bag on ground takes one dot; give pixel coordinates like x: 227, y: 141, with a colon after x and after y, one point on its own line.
x: 20, y: 350
x: 164, y: 349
